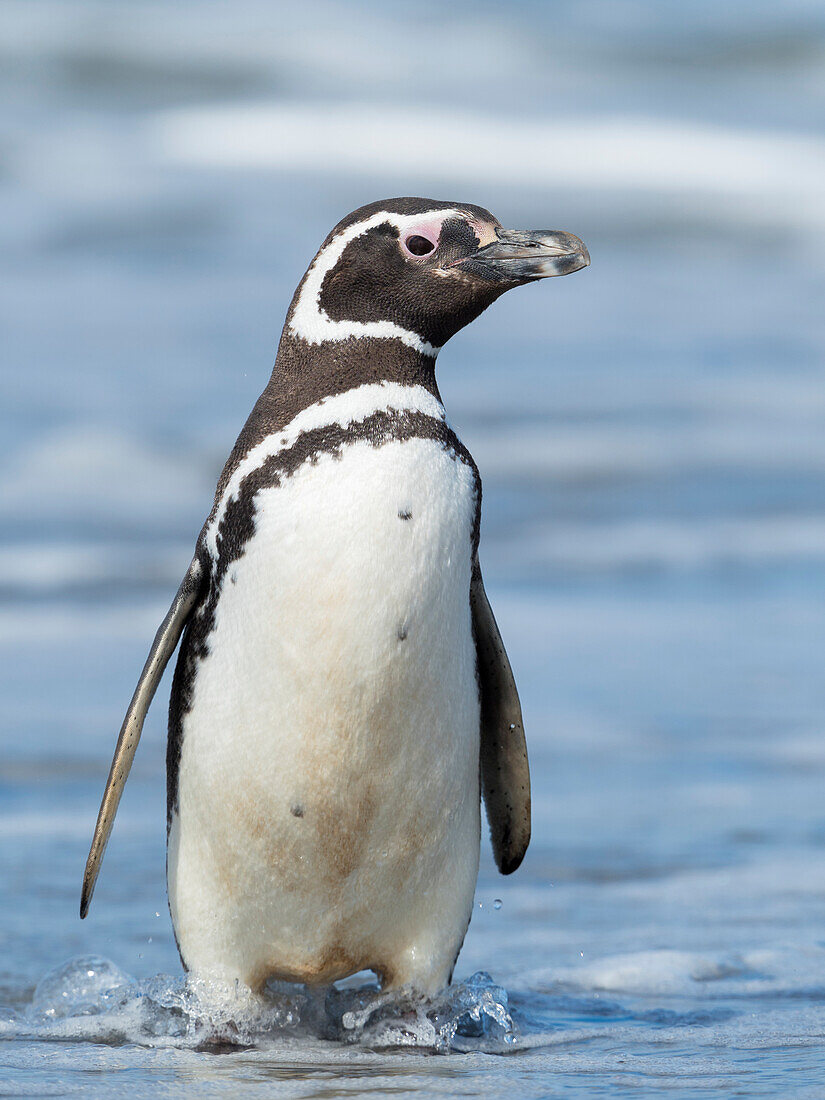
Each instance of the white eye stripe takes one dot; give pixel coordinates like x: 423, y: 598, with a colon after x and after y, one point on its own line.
x: 311, y: 323
x: 339, y: 411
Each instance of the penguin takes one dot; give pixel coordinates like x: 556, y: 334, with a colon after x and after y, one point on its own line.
x: 342, y: 698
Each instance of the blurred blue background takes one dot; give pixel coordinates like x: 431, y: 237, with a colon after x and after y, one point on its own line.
x: 650, y: 432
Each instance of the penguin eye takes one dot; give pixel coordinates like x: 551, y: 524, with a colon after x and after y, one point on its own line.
x: 418, y: 245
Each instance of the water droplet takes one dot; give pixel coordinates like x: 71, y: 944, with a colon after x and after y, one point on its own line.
x: 512, y: 725
x: 149, y: 940
x: 157, y: 914
x: 497, y: 903
x: 582, y: 954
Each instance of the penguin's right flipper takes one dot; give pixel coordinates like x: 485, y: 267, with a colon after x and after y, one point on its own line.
x: 162, y: 649
x: 505, y: 772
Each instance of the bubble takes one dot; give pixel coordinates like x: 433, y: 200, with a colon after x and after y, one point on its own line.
x: 497, y: 904
x: 83, y: 986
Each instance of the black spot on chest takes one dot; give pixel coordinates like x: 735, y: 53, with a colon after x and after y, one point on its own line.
x: 237, y: 527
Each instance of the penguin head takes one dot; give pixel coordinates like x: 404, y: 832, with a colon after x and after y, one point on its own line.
x: 418, y: 270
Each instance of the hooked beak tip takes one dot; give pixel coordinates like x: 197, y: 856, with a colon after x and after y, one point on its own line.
x: 522, y: 255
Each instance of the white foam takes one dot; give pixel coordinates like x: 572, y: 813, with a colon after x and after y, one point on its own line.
x: 650, y: 972
x: 673, y: 972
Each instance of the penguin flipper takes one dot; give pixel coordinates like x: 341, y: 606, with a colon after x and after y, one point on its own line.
x: 505, y: 772
x: 162, y: 649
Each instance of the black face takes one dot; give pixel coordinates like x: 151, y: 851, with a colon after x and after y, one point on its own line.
x: 432, y: 267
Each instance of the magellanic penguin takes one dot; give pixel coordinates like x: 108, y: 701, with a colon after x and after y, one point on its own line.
x: 342, y: 689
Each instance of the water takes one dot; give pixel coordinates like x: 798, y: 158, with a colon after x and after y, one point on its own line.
x: 650, y: 433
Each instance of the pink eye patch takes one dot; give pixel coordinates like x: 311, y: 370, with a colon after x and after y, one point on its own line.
x: 422, y: 239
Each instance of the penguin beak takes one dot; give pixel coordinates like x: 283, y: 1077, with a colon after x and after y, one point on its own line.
x: 520, y: 255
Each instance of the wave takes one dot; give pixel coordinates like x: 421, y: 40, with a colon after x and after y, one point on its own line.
x: 660, y: 544
x: 90, y: 471
x: 641, y: 154
x: 34, y: 571
x: 88, y: 512
x: 784, y: 971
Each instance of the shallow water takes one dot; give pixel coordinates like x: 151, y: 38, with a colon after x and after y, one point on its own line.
x: 650, y: 435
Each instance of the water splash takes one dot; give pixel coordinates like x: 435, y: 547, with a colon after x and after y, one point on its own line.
x: 85, y: 986
x: 90, y: 999
x: 476, y: 1009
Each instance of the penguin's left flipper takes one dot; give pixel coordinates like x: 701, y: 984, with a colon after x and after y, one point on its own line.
x: 163, y: 647
x: 505, y: 772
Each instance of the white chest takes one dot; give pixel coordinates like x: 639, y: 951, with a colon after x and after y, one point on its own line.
x: 331, y: 748
x: 359, y: 568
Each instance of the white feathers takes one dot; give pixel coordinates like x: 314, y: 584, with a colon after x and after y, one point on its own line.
x: 328, y: 788
x: 340, y: 410
x: 311, y: 323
